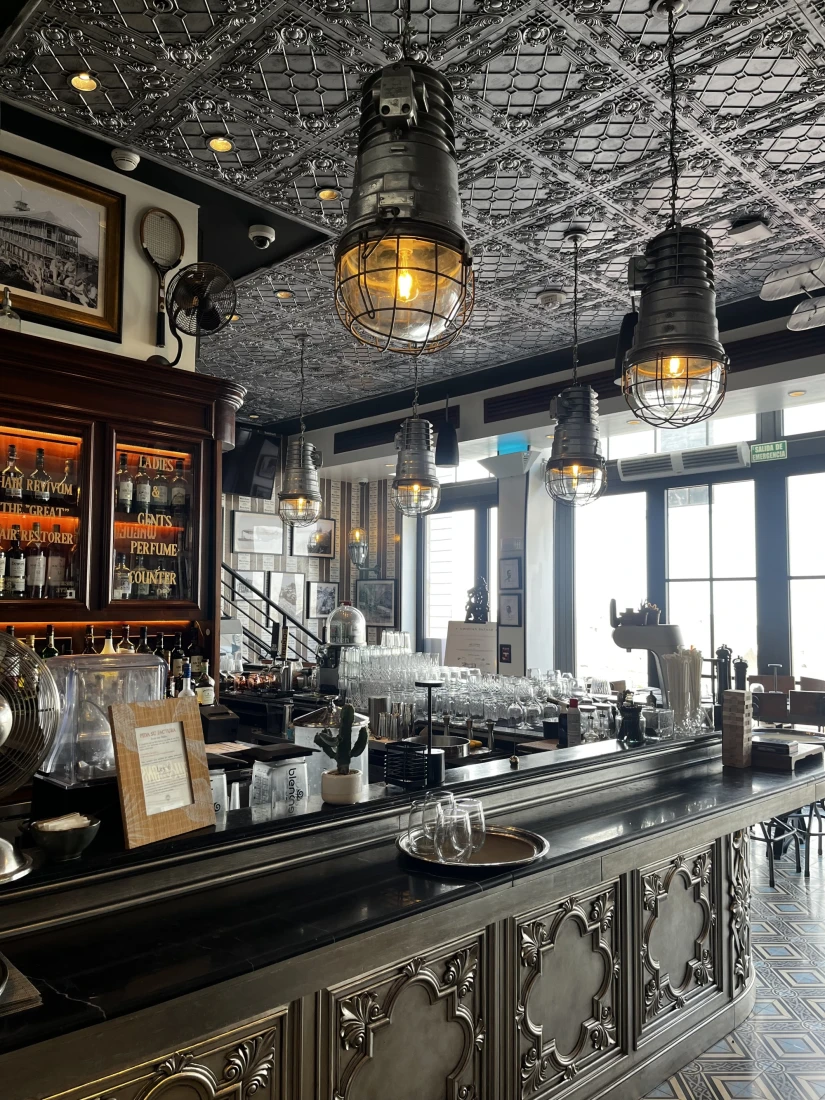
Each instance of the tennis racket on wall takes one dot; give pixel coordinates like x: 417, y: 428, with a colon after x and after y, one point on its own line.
x: 162, y: 240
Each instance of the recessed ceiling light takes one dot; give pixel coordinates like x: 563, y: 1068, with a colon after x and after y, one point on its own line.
x: 634, y: 421
x: 284, y: 294
x: 327, y: 194
x: 797, y: 393
x: 254, y: 416
x: 389, y: 465
x: 221, y: 143
x: 548, y: 437
x: 235, y: 317
x: 84, y: 81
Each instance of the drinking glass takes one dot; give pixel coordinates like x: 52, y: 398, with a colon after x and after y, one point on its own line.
x: 423, y: 819
x: 665, y: 724
x: 475, y: 811
x: 453, y: 835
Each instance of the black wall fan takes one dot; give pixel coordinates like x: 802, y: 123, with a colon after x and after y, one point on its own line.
x: 200, y: 301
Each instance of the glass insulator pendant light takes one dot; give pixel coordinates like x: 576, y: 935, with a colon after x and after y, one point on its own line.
x: 299, y: 501
x: 358, y: 547
x: 403, y: 267
x: 675, y: 372
x: 416, y: 489
x: 576, y: 471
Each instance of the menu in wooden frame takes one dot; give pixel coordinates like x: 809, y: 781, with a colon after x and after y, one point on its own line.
x: 162, y: 773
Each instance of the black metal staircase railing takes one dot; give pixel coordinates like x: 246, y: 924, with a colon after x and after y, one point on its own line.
x: 257, y: 619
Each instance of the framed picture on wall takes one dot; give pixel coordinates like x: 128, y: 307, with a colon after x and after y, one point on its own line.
x: 509, y: 573
x: 376, y: 602
x: 287, y: 590
x: 257, y: 533
x: 509, y: 609
x: 61, y: 248
x: 322, y: 598
x: 316, y: 540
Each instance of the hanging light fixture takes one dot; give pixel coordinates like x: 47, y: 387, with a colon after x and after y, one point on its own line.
x: 403, y: 267
x: 416, y: 489
x: 576, y: 472
x: 358, y: 547
x: 299, y: 501
x: 675, y: 372
x: 446, y: 448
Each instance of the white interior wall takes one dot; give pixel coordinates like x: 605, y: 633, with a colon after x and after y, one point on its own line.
x: 140, y: 285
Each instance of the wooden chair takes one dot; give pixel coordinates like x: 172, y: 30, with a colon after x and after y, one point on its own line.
x: 783, y: 683
x: 810, y: 683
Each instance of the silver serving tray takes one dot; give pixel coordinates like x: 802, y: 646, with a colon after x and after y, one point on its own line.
x: 504, y: 846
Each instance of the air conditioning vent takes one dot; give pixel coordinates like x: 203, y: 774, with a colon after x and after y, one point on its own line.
x: 729, y: 456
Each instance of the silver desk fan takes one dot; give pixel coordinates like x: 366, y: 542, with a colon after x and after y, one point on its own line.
x: 29, y: 714
x: 200, y: 301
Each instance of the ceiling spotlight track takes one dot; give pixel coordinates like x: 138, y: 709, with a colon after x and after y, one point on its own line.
x: 675, y: 372
x: 403, y: 267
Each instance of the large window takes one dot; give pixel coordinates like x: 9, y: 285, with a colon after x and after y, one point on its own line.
x: 804, y: 418
x: 610, y: 563
x: 641, y: 440
x: 806, y: 559
x: 449, y: 546
x: 711, y: 566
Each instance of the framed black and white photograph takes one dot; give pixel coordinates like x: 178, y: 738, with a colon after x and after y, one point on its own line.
x: 509, y: 573
x: 509, y: 609
x: 316, y: 540
x: 242, y: 589
x: 257, y: 533
x: 287, y: 590
x: 61, y: 248
x: 376, y: 602
x: 322, y: 598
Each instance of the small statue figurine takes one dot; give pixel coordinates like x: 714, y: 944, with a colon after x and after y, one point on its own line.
x: 478, y: 603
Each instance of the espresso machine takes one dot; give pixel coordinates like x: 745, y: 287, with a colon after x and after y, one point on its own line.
x: 346, y: 629
x: 631, y: 632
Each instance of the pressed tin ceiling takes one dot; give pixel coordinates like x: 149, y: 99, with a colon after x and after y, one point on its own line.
x: 561, y: 115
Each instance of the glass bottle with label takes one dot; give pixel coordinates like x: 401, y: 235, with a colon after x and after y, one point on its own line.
x: 49, y: 649
x: 143, y: 645
x: 56, y: 566
x: 122, y: 587
x: 125, y: 645
x: 11, y: 479
x: 35, y: 566
x: 143, y: 487
x: 194, y: 653
x: 125, y: 486
x: 160, y: 649
x: 186, y: 680
x: 205, y: 687
x: 141, y: 578
x: 178, y: 489
x: 160, y: 494
x: 64, y: 489
x: 108, y: 644
x: 16, y: 581
x: 39, y: 481
x: 2, y: 572
x: 89, y: 648
x: 177, y: 657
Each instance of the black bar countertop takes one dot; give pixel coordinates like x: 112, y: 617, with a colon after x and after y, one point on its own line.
x: 110, y: 965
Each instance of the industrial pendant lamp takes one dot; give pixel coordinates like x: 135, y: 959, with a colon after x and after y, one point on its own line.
x: 403, y: 267
x: 675, y: 373
x: 446, y: 447
x: 299, y: 501
x: 358, y: 547
x: 576, y: 472
x: 416, y: 489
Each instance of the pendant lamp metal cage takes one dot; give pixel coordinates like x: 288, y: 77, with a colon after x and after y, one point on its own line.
x: 415, y: 489
x: 299, y: 501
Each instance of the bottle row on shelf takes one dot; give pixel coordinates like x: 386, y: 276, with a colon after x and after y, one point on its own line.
x: 147, y: 577
x: 38, y: 565
x: 151, y: 491
x: 188, y: 669
x: 38, y: 487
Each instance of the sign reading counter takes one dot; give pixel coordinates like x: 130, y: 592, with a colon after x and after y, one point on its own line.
x: 162, y: 773
x: 472, y: 645
x: 769, y: 452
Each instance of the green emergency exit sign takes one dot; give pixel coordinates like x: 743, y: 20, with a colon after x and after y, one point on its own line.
x: 769, y: 452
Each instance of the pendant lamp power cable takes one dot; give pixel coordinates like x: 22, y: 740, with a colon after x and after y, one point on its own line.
x: 575, y: 310
x: 302, y: 340
x: 673, y: 159
x: 415, y: 388
x: 406, y: 36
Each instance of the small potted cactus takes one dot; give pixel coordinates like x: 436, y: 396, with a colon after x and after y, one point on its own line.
x: 342, y: 785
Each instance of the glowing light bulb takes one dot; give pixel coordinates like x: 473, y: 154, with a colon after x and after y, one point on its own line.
x: 406, y: 286
x: 574, y: 482
x: 675, y: 365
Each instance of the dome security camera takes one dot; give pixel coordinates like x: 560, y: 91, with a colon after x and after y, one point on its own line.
x: 125, y: 159
x: 261, y: 236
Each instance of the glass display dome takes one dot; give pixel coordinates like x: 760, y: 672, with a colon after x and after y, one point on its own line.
x: 346, y: 626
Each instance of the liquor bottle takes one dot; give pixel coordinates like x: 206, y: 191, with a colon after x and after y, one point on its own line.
x: 108, y: 644
x: 205, y: 687
x: 125, y: 484
x: 122, y: 587
x: 16, y: 582
x: 49, y: 649
x: 177, y: 657
x: 194, y: 653
x: 89, y: 648
x: 170, y: 686
x: 56, y: 567
x: 178, y: 490
x: 31, y: 641
x: 2, y: 572
x: 10, y: 630
x: 186, y: 685
x: 143, y: 487
x: 11, y: 478
x: 35, y: 566
x: 65, y: 487
x: 143, y: 645
x: 160, y: 494
x: 160, y: 649
x: 39, y: 481
x: 125, y: 644
x: 142, y: 586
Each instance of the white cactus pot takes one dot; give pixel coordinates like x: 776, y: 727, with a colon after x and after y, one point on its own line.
x: 341, y: 790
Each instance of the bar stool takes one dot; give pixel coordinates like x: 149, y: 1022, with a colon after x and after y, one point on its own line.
x: 777, y: 831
